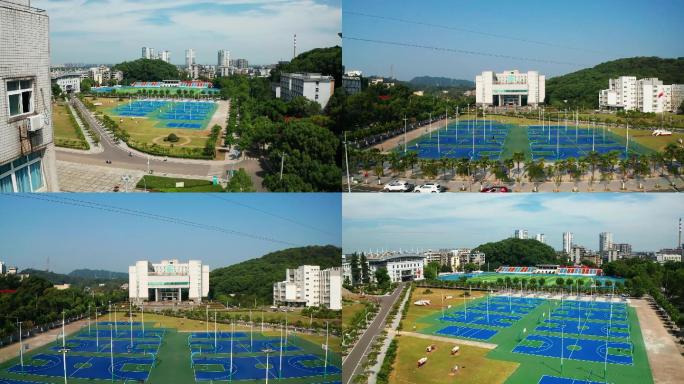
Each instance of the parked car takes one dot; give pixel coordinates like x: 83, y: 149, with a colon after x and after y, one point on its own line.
x: 428, y: 188
x: 493, y: 189
x: 398, y: 186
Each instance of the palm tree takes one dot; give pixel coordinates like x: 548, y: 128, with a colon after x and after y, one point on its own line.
x: 508, y: 163
x: 670, y: 153
x: 623, y: 166
x: 593, y: 158
x: 485, y: 164
x: 463, y: 166
x: 395, y: 162
x: 411, y: 160
x: 518, y: 157
x: 444, y: 164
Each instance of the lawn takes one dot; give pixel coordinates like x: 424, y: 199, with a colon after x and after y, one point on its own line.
x: 67, y: 133
x: 349, y: 310
x: 473, y: 364
x: 168, y: 184
x: 144, y: 130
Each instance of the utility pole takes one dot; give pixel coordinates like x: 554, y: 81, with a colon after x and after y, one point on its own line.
x: 282, y: 164
x: 405, y: 133
x: 346, y: 160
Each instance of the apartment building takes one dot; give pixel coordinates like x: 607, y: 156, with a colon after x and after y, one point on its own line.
x: 309, y: 286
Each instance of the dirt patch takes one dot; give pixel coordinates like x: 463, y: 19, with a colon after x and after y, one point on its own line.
x: 667, y: 364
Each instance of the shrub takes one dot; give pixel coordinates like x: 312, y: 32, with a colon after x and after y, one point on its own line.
x: 172, y: 138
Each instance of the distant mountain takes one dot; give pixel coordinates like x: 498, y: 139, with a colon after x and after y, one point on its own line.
x: 581, y: 88
x: 253, y: 279
x: 98, y: 274
x: 78, y: 277
x: 442, y: 82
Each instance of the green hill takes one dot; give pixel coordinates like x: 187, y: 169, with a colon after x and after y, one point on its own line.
x: 441, y: 82
x: 99, y: 274
x: 147, y: 70
x: 253, y: 279
x: 326, y: 61
x: 79, y: 277
x: 581, y: 88
x: 516, y: 252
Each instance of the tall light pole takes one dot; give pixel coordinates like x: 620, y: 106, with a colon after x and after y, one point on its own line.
x: 325, y: 369
x: 111, y: 350
x: 63, y: 333
x: 64, y: 351
x: 405, y: 133
x: 267, y: 351
x: 21, y: 347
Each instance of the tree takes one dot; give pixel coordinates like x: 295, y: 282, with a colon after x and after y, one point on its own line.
x: 365, y: 272
x: 355, y: 270
x: 431, y: 270
x: 240, y: 182
x: 56, y: 90
x: 146, y: 70
x: 382, y: 278
x: 86, y: 84
x: 560, y: 282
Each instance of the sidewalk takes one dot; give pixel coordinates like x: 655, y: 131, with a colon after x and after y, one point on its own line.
x: 12, y: 351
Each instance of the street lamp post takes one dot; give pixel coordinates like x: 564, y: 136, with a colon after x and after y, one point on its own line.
x: 267, y: 351
x: 64, y: 351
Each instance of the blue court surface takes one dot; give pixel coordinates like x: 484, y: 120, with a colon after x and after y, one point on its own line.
x: 86, y: 367
x: 122, y: 334
x: 239, y: 346
x: 589, y: 314
x: 530, y: 302
x: 564, y: 380
x: 501, y: 308
x: 118, y: 346
x: 589, y: 328
x: 219, y: 335
x: 253, y: 368
x: 473, y: 317
x: 557, y: 143
x: 597, y: 305
x: 172, y: 114
x: 467, y: 332
x: 12, y: 381
x: 576, y: 349
x: 469, y: 139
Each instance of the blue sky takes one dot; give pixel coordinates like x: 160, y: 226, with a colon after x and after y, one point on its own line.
x: 589, y: 31
x: 78, y: 237
x: 261, y: 31
x: 372, y: 221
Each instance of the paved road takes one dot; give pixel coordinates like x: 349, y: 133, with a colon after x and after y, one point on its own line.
x: 353, y: 365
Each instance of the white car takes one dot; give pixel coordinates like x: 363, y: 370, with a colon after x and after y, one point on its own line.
x: 397, y: 186
x: 428, y: 188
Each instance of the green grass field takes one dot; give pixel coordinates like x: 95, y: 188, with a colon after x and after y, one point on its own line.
x: 531, y: 368
x: 67, y: 134
x: 168, y: 184
x: 173, y: 359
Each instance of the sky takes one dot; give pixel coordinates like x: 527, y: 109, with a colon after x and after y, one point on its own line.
x: 413, y: 221
x: 73, y: 235
x: 261, y: 31
x: 573, y: 35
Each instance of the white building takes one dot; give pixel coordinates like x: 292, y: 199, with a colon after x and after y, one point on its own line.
x: 313, y: 86
x: 520, y: 234
x: 540, y: 237
x: 3, y: 268
x: 663, y: 258
x: 351, y: 82
x: 27, y: 151
x: 644, y: 95
x: 189, y: 57
x: 605, y: 242
x: 164, y: 56
x: 69, y: 82
x: 146, y: 53
x: 400, y: 266
x: 567, y: 242
x: 223, y: 58
x: 309, y: 286
x: 168, y: 280
x: 510, y: 88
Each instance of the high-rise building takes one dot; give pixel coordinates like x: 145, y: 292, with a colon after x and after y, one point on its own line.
x: 169, y: 280
x: 605, y: 242
x: 27, y: 151
x: 567, y: 242
x: 624, y: 250
x: 309, y: 286
x: 189, y: 57
x: 165, y: 56
x: 3, y: 268
x: 520, y: 234
x: 644, y: 95
x: 510, y: 88
x: 146, y: 54
x: 223, y: 58
x: 540, y: 237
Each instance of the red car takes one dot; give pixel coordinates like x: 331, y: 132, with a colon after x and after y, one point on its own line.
x: 495, y: 189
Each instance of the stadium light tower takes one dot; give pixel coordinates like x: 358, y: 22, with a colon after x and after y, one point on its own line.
x: 267, y: 351
x: 405, y: 133
x: 64, y: 351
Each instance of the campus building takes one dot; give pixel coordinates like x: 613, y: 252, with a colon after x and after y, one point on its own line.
x: 643, y: 95
x: 68, y: 82
x: 309, y: 286
x: 168, y: 280
x: 27, y: 151
x: 351, y: 82
x: 400, y: 266
x: 313, y: 86
x: 510, y: 88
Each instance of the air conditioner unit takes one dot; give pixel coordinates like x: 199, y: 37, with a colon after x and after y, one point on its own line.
x: 35, y: 123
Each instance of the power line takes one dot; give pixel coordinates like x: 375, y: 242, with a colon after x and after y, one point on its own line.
x: 442, y: 26
x: 272, y: 214
x: 455, y: 50
x: 143, y: 214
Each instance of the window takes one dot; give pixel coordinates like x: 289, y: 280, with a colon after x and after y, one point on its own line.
x: 22, y: 175
x: 20, y: 97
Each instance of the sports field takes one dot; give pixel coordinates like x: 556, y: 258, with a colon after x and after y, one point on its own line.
x: 500, y: 137
x: 169, y: 114
x: 128, y: 90
x: 538, y: 333
x: 165, y: 355
x: 152, y: 130
x: 493, y: 277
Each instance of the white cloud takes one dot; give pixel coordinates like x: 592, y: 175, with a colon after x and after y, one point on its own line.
x: 258, y: 30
